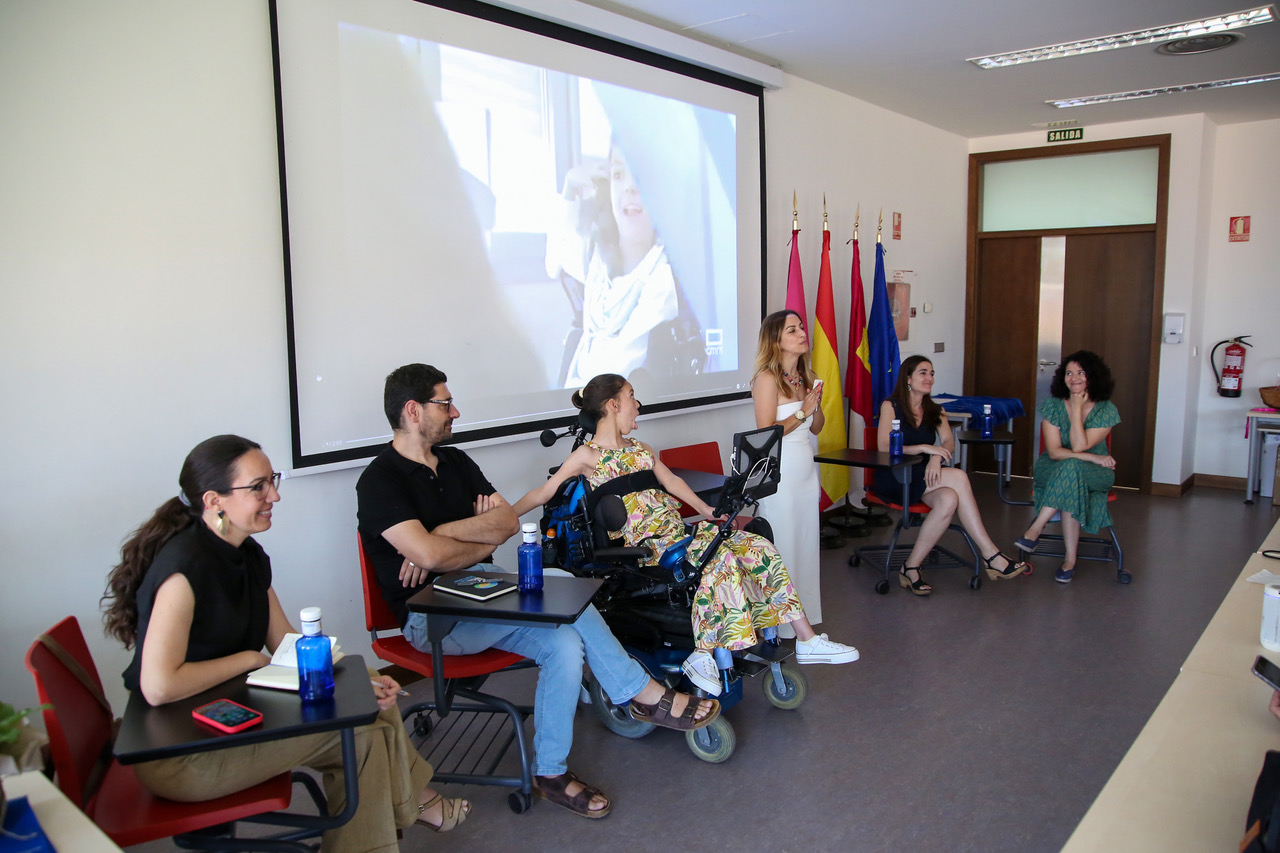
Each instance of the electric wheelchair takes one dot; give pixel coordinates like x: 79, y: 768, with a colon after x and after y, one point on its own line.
x: 648, y: 607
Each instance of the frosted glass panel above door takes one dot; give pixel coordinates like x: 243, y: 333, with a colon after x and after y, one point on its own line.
x: 1075, y: 191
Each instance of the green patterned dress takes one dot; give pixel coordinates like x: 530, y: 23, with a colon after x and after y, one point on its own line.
x: 743, y: 589
x: 1073, y: 485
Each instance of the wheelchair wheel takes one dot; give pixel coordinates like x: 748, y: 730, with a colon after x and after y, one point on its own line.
x: 519, y: 802
x: 616, y: 718
x: 713, y: 743
x: 795, y: 687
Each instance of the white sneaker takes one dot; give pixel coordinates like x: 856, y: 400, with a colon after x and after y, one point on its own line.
x: 822, y: 650
x: 701, y: 668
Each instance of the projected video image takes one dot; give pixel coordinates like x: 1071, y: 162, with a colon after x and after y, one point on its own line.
x: 625, y: 195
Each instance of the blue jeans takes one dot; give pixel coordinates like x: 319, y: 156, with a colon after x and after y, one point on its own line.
x: 559, y: 653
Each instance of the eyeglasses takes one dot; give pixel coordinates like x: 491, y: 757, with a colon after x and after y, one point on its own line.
x: 260, y: 487
x: 447, y: 402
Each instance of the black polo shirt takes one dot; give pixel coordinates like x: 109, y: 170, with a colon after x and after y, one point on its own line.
x: 394, y: 489
x: 230, y: 585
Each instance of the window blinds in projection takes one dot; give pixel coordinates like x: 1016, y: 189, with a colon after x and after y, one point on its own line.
x: 522, y: 211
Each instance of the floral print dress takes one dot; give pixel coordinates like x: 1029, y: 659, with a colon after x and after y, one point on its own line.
x: 743, y: 589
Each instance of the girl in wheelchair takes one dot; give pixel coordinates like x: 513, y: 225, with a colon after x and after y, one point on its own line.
x: 744, y: 589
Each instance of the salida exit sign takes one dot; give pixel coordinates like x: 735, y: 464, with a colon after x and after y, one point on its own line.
x: 1069, y: 134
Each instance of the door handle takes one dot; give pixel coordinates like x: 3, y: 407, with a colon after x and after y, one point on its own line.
x: 1044, y: 363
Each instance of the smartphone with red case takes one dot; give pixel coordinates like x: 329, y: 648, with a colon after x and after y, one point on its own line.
x: 227, y: 716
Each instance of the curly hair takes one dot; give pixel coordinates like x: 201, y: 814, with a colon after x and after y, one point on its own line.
x: 769, y: 354
x: 1097, y: 376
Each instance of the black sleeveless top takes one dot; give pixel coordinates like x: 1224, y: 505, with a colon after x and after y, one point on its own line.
x: 885, y: 486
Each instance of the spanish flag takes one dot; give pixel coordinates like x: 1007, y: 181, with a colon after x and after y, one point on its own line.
x: 826, y: 363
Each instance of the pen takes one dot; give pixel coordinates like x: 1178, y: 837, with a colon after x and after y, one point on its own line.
x: 379, y: 684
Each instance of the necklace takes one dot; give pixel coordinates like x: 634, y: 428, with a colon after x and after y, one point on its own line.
x: 793, y: 381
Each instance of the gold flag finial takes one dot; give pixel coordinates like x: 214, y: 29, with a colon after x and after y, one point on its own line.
x: 825, y: 227
x: 857, y: 214
x: 880, y: 225
x: 795, y: 213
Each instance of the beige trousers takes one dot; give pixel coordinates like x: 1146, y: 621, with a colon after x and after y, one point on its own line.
x: 391, y: 777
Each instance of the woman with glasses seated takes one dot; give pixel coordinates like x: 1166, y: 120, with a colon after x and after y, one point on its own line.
x: 192, y: 595
x: 745, y: 588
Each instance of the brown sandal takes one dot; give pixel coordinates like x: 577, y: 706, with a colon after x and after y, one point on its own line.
x: 453, y: 811
x: 659, y: 713
x: 552, y: 789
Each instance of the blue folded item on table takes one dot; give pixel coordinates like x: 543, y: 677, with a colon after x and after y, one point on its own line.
x: 22, y: 832
x: 1003, y: 408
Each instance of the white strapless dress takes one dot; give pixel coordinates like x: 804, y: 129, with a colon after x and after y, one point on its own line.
x: 792, y: 512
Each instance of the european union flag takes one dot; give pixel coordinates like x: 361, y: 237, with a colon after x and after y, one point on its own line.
x: 884, y: 338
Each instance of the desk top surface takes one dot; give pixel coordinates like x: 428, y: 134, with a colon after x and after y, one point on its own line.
x: 561, y: 601
x: 67, y: 828
x: 148, y: 733
x: 704, y: 483
x: 861, y: 458
x: 1263, y: 416
x: 974, y: 436
x: 1186, y: 782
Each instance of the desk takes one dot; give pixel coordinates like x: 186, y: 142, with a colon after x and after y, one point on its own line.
x: 1002, y: 444
x: 66, y: 826
x: 560, y: 602
x: 704, y: 484
x: 1254, y: 423
x: 148, y: 733
x: 1186, y: 782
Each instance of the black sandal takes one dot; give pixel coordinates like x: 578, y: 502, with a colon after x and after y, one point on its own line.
x: 552, y: 789
x: 1010, y: 571
x: 918, y: 586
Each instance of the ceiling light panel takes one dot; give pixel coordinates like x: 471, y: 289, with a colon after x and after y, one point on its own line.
x: 1155, y: 35
x: 1089, y: 100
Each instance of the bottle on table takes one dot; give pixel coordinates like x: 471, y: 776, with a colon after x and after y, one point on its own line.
x: 529, y: 559
x: 987, y: 422
x: 895, y: 438
x: 1270, y: 635
x: 315, y: 659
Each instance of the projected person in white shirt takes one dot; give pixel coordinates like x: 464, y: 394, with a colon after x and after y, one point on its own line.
x: 616, y: 255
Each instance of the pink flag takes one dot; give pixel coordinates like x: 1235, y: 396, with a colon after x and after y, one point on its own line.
x: 795, y: 281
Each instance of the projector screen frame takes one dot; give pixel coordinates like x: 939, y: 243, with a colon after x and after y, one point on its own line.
x: 328, y: 460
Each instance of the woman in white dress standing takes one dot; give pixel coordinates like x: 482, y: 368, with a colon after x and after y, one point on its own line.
x: 786, y: 392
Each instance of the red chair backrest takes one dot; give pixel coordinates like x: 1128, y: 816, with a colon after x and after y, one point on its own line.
x: 79, y: 726
x: 377, y: 613
x: 695, y: 457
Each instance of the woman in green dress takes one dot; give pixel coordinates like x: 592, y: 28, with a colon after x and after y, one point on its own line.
x: 1075, y: 471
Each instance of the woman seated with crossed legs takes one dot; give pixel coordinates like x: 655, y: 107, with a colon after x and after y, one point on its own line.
x: 743, y: 589
x: 947, y: 491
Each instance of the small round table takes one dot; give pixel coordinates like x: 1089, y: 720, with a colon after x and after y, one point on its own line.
x: 1001, y: 442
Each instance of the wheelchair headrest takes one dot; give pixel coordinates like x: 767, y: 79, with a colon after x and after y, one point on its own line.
x: 586, y: 423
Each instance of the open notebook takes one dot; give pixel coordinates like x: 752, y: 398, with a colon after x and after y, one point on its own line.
x: 282, y: 672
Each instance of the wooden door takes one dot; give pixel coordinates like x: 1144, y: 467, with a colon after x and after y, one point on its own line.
x: 1107, y: 308
x: 1007, y: 291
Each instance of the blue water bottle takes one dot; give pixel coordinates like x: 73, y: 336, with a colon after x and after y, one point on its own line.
x: 315, y: 659
x: 529, y: 558
x: 895, y: 438
x: 987, y: 422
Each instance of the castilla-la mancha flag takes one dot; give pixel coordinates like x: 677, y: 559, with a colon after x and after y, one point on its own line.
x: 857, y: 384
x: 826, y: 363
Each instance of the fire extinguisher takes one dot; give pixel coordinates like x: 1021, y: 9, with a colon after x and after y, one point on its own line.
x: 1232, y: 365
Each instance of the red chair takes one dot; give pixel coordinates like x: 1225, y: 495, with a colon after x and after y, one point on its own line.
x: 911, y: 516
x: 460, y: 676
x: 81, y: 730
x: 1107, y: 551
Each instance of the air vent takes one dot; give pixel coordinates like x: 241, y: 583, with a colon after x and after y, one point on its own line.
x: 1198, y: 44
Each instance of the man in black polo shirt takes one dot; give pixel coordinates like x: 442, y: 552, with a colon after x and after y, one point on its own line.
x: 424, y: 508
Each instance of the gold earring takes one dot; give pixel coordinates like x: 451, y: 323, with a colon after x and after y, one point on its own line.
x: 222, y: 524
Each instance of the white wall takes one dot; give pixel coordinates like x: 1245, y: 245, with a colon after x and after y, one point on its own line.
x: 142, y: 298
